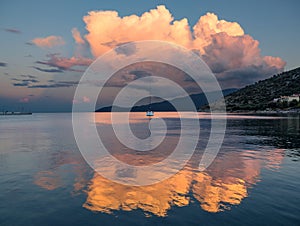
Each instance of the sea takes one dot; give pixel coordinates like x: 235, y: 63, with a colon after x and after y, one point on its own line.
x: 46, y: 179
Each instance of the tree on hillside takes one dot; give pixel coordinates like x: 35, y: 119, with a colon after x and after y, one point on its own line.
x: 293, y: 103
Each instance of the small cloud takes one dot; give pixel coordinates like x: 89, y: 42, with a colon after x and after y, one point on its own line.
x: 12, y: 30
x: 77, y: 36
x: 24, y: 100
x: 29, y: 55
x: 49, y: 70
x: 49, y: 86
x: 48, y: 42
x: 28, y: 76
x: 3, y: 64
x: 21, y: 84
x: 140, y: 74
x: 63, y: 63
x: 31, y: 80
x: 126, y: 50
x: 113, y: 44
x: 120, y: 47
x: 25, y: 80
x: 86, y: 99
x: 55, y: 84
x: 74, y: 101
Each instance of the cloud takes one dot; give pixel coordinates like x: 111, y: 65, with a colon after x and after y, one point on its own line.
x: 24, y: 100
x: 28, y: 76
x: 125, y: 50
x: 86, y: 99
x: 108, y: 27
x: 3, y: 64
x: 145, y: 69
x: 55, y: 84
x: 77, y: 36
x: 29, y: 43
x: 223, y: 45
x: 63, y: 63
x: 48, y: 42
x: 139, y: 73
x: 209, y: 25
x: 12, y: 30
x: 237, y: 59
x: 20, y: 84
x: 24, y: 82
x: 30, y: 81
x: 53, y: 70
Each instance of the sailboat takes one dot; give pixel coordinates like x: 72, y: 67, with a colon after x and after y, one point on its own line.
x: 149, y: 112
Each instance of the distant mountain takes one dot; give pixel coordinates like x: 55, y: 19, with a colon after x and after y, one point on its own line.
x: 260, y: 95
x: 198, y: 99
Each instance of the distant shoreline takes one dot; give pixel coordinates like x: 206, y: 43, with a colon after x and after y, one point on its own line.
x: 15, y: 113
x: 274, y: 112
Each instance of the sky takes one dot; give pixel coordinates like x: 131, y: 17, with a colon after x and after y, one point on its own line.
x: 47, y: 45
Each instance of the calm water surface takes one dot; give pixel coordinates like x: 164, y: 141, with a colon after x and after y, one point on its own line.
x: 254, y: 180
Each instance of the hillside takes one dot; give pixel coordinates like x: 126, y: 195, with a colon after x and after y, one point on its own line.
x: 198, y: 99
x: 260, y: 95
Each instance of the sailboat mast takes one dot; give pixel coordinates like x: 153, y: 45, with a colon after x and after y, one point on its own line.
x: 149, y: 112
x: 149, y: 92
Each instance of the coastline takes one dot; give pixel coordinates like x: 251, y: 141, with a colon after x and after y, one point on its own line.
x: 267, y: 112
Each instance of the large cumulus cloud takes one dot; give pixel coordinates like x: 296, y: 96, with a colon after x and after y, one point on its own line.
x: 236, y: 60
x: 233, y: 56
x: 108, y: 27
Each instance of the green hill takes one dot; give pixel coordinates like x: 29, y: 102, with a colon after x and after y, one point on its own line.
x: 260, y: 95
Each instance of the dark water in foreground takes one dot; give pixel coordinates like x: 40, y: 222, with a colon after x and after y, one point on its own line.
x: 254, y: 180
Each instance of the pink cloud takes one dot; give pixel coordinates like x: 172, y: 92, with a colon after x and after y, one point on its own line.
x: 86, y: 99
x: 238, y: 61
x: 223, y: 44
x: 66, y: 63
x: 24, y: 100
x: 227, y: 52
x: 276, y: 62
x: 77, y: 36
x: 108, y: 27
x: 209, y: 25
x: 48, y: 42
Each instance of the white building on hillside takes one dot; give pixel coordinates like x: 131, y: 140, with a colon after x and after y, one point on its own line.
x: 288, y: 98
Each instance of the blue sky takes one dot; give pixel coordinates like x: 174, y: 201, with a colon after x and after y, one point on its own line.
x: 275, y: 24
